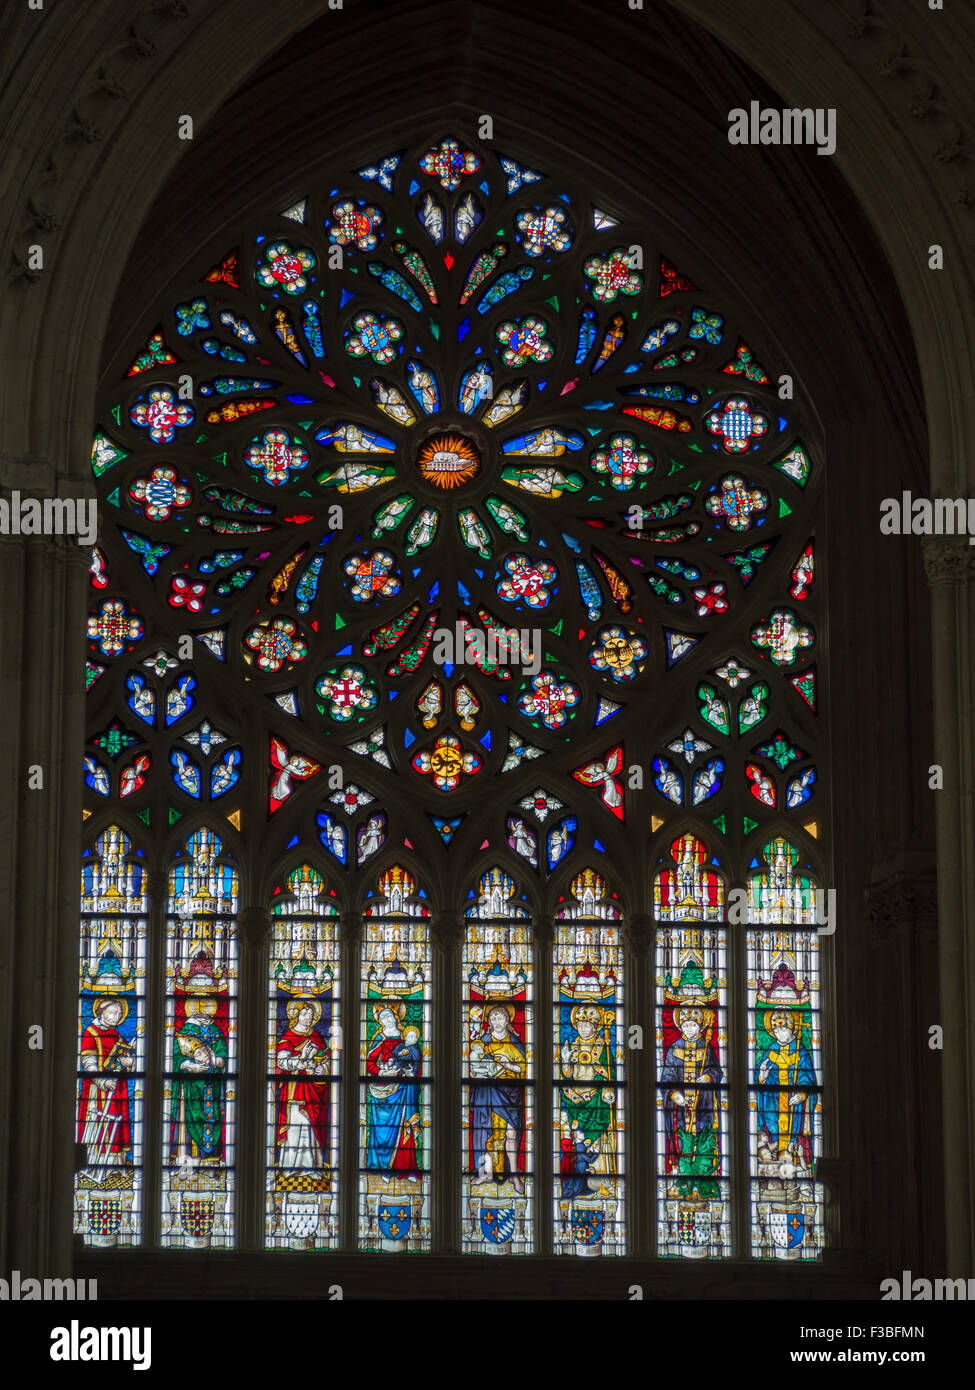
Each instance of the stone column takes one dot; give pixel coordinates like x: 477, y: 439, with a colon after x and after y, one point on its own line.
x: 158, y: 1048
x: 349, y: 1070
x: 42, y: 700
x: 950, y: 566
x: 250, y: 1139
x: 902, y: 905
x: 544, y: 1036
x: 639, y: 1096
x: 448, y: 938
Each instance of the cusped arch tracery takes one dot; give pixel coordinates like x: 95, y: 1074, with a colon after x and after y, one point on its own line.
x: 453, y: 527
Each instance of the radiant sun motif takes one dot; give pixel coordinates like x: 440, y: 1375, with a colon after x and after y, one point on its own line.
x: 448, y: 461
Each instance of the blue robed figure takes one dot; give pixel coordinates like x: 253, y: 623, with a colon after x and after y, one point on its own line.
x: 497, y: 1106
x: 392, y: 1102
x: 787, y: 1064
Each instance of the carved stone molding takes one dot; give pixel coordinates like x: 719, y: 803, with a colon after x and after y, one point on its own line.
x: 948, y: 560
x: 30, y: 477
x: 903, y: 902
x: 892, y: 59
x: 102, y: 95
x: 66, y: 549
x: 31, y: 474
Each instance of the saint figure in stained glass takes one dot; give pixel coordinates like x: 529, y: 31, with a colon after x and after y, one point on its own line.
x: 302, y: 1105
x: 497, y: 1107
x: 690, y: 1068
x: 199, y: 1057
x: 586, y: 1056
x: 393, y: 1103
x: 786, y: 1066
x: 104, y: 1123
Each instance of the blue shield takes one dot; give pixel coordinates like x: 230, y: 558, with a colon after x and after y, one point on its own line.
x: 497, y: 1224
x: 394, y: 1222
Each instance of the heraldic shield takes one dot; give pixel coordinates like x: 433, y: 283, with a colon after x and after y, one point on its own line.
x: 497, y: 1223
x: 394, y: 1221
x: 693, y: 1229
x: 786, y: 1228
x: 301, y: 1214
x: 104, y: 1219
x: 588, y: 1225
x: 196, y: 1213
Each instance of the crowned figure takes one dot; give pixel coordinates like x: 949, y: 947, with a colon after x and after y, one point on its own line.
x: 784, y: 1070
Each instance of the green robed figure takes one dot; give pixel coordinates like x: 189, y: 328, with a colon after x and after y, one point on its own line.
x: 198, y: 1104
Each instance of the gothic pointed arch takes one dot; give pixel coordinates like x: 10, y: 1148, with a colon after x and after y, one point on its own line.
x: 450, y: 523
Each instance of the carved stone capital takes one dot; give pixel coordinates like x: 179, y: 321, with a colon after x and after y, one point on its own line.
x: 254, y: 925
x: 66, y: 550
x: 32, y: 474
x: 156, y: 884
x: 638, y: 931
x: 904, y: 901
x: 447, y: 931
x: 948, y: 560
x: 350, y: 927
x: 544, y: 928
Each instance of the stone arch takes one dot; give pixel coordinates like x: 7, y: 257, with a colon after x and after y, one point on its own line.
x: 96, y: 160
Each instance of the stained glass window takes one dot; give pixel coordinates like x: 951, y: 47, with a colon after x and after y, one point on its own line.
x: 498, y: 1054
x: 784, y: 1055
x: 692, y: 1066
x: 450, y: 528
x: 304, y: 1064
x: 111, y: 1044
x: 589, y: 1128
x: 394, y: 1103
x: 199, y: 1094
